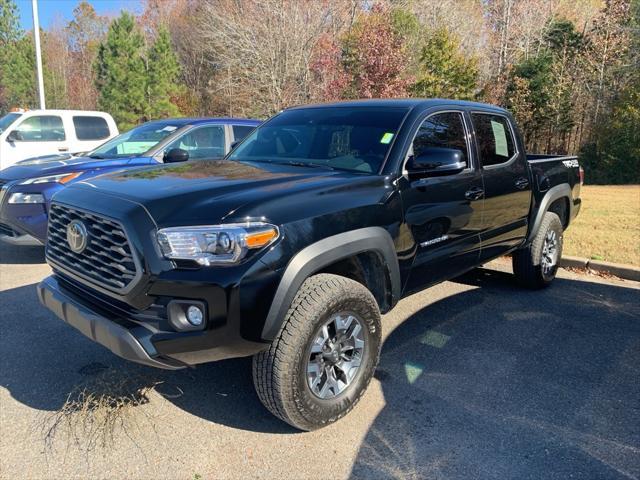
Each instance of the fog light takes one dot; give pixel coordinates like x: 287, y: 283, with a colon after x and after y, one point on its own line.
x: 187, y: 315
x: 194, y: 315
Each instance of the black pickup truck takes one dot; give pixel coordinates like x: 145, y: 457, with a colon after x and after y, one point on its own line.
x: 291, y: 247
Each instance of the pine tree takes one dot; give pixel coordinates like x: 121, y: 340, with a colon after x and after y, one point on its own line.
x: 121, y: 73
x: 162, y: 78
x: 17, y: 61
x: 443, y: 70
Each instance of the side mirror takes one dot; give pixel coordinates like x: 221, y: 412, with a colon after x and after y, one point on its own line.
x: 434, y: 161
x: 15, y: 136
x: 176, y: 155
x: 234, y: 144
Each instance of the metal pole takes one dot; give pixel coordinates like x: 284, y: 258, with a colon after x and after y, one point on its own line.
x: 36, y: 36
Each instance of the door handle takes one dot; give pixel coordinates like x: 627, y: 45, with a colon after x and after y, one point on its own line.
x: 522, y: 183
x: 475, y: 193
x: 63, y: 149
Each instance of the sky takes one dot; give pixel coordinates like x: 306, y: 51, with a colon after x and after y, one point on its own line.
x: 50, y: 11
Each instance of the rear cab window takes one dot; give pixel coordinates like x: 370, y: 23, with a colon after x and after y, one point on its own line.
x: 494, y: 138
x: 90, y: 128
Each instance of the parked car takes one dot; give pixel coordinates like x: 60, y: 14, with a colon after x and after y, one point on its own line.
x: 49, y: 132
x: 289, y: 249
x: 27, y: 187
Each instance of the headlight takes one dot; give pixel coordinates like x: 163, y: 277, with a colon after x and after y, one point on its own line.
x: 26, y: 198
x: 62, y: 178
x: 215, y: 244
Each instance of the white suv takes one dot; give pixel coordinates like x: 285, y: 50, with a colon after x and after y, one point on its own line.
x: 35, y: 133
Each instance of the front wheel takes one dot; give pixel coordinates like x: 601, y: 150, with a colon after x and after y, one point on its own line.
x: 536, y: 266
x: 324, y: 357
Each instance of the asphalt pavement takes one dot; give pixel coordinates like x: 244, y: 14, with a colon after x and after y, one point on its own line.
x: 477, y: 379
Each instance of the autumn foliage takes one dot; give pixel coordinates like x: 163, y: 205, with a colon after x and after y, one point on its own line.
x: 568, y: 69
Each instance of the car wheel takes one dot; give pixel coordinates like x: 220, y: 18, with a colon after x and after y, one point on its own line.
x: 321, y: 362
x: 536, y: 265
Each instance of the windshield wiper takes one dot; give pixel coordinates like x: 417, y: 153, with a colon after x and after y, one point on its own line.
x: 295, y: 163
x: 97, y: 157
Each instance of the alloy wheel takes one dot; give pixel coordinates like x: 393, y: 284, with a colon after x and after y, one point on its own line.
x: 335, y: 355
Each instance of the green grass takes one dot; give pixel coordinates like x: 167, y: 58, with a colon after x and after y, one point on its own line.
x: 608, y: 226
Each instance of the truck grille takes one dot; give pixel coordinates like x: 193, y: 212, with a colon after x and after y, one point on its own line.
x: 106, y: 261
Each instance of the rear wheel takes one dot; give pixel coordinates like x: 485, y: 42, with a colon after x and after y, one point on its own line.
x: 323, y: 359
x: 536, y: 265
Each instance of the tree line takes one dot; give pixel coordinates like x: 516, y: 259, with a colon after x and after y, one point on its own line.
x: 569, y: 70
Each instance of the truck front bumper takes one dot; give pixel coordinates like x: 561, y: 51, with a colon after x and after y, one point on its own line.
x: 12, y: 237
x: 125, y: 338
x: 145, y: 342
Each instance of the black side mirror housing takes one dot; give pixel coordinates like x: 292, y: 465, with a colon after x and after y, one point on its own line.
x: 176, y: 155
x: 14, y: 136
x: 233, y: 144
x: 435, y: 161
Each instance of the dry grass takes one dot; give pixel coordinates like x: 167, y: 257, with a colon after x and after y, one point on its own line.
x: 98, y: 410
x: 608, y: 227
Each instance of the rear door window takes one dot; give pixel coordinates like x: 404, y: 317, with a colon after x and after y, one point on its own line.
x: 90, y: 128
x: 494, y: 138
x: 42, y: 128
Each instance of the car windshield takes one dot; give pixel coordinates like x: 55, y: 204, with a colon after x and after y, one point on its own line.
x: 7, y: 120
x: 355, y: 138
x: 135, y: 142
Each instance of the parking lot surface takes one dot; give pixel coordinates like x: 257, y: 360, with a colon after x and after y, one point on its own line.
x: 477, y: 379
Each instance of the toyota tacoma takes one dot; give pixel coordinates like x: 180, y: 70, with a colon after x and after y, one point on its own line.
x: 291, y: 247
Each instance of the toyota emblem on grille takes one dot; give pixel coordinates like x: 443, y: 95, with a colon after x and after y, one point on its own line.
x: 77, y: 236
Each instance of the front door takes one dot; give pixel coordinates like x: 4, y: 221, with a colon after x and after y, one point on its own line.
x: 442, y: 214
x: 38, y: 135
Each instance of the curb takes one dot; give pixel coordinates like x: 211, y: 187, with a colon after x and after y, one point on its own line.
x: 628, y: 272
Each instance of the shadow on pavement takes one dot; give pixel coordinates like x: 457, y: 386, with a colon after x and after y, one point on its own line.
x: 42, y: 360
x: 15, y: 255
x: 494, y: 382
x: 497, y: 382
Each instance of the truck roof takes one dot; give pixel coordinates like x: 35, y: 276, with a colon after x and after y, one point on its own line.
x: 61, y: 111
x: 402, y: 102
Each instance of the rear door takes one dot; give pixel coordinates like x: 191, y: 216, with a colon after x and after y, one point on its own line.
x: 507, y: 188
x: 38, y: 135
x: 443, y: 214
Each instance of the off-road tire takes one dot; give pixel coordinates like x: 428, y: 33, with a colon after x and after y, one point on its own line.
x: 280, y: 373
x: 527, y: 266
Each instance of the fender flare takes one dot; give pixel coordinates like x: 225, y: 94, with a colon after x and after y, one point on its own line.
x: 559, y: 191
x: 323, y: 253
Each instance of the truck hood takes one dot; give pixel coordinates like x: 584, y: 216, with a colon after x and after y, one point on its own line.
x: 202, y: 192
x: 58, y: 164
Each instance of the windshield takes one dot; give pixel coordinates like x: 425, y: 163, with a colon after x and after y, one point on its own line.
x: 355, y: 138
x: 135, y: 142
x: 7, y: 120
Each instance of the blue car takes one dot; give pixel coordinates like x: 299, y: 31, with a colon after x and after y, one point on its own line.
x: 27, y: 187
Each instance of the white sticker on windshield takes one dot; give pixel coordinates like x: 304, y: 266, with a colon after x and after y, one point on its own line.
x: 169, y: 128
x: 500, y: 138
